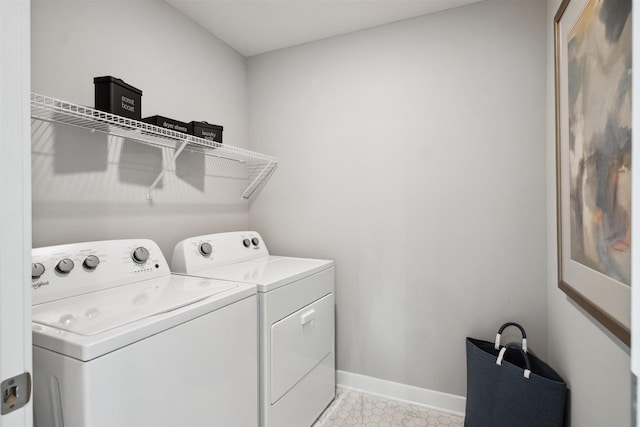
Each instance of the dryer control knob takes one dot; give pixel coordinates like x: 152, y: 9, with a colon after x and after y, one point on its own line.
x: 64, y: 266
x: 205, y: 249
x: 255, y: 241
x: 246, y: 243
x: 37, y: 270
x: 140, y: 255
x: 91, y: 262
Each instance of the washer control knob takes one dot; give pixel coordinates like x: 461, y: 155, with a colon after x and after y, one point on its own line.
x: 91, y: 262
x: 205, y: 249
x: 64, y: 266
x: 246, y: 243
x: 37, y: 270
x: 255, y: 241
x: 140, y: 255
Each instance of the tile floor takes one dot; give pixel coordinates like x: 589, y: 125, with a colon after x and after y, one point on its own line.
x: 356, y: 409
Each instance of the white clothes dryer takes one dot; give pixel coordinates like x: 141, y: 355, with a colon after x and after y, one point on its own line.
x: 120, y: 341
x: 296, y: 315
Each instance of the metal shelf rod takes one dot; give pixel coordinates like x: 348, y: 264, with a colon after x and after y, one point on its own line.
x: 166, y: 167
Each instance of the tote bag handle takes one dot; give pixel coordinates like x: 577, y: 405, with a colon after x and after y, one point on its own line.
x: 506, y: 325
x: 527, y: 371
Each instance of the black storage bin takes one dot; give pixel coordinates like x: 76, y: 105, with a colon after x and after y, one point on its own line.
x: 206, y: 130
x: 167, y: 123
x: 115, y: 96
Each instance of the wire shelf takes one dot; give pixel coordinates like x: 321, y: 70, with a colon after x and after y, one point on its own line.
x: 259, y: 167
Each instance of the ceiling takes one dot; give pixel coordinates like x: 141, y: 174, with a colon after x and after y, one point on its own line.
x: 256, y: 26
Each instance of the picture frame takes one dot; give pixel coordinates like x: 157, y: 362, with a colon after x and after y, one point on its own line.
x: 592, y: 41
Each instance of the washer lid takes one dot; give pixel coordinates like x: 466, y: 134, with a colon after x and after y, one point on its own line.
x: 97, y: 312
x: 269, y: 272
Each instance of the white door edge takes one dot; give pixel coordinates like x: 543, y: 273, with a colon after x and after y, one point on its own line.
x: 15, y: 199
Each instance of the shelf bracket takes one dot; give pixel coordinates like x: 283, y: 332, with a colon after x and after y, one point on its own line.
x: 260, y: 180
x: 166, y: 167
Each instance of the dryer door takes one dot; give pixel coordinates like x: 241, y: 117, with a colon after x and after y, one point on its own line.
x: 298, y: 343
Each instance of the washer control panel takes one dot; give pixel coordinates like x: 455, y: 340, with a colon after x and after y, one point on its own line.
x: 214, y: 250
x: 67, y: 270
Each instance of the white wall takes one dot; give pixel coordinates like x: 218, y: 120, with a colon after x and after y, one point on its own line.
x: 412, y: 154
x: 595, y: 364
x: 89, y: 187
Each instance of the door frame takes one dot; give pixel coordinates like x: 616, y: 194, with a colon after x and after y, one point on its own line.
x: 15, y: 199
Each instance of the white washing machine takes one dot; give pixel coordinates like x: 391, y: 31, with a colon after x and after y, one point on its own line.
x: 296, y: 314
x: 120, y: 341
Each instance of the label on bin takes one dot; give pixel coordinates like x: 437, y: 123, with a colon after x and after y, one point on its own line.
x: 128, y: 104
x: 208, y: 135
x: 172, y: 126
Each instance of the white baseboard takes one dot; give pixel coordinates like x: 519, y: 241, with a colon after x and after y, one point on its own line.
x: 407, y: 393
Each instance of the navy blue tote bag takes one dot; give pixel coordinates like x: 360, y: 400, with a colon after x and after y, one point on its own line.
x: 508, y: 386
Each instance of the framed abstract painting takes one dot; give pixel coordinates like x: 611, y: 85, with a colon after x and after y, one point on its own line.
x: 593, y: 158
